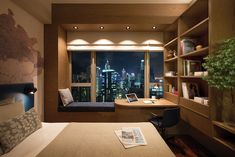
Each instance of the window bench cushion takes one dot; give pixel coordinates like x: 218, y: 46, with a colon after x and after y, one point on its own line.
x: 88, y: 107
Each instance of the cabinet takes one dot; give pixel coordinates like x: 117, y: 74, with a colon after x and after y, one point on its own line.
x: 203, y: 24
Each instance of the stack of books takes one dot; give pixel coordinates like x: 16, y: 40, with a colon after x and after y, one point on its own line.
x: 131, y: 137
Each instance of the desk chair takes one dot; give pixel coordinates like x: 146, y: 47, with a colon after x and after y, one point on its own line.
x: 170, y: 118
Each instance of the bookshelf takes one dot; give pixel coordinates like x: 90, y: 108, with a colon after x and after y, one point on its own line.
x: 204, y: 24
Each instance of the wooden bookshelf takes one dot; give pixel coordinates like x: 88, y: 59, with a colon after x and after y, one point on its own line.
x: 191, y: 77
x: 198, y: 29
x: 172, y: 42
x: 171, y: 60
x: 194, y: 106
x: 171, y: 97
x: 197, y: 53
x: 203, y: 23
x: 173, y: 77
x: 224, y: 134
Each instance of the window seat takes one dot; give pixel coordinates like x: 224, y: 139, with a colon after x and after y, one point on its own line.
x: 88, y: 107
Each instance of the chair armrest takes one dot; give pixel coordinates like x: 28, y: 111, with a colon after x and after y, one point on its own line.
x: 154, y: 114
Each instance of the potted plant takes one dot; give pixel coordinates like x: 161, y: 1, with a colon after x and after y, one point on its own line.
x: 221, y: 69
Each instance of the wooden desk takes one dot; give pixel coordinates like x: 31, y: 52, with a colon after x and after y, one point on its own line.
x: 157, y: 103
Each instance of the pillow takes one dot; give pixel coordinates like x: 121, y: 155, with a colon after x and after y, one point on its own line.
x: 66, y: 96
x: 15, y: 130
x: 11, y: 110
x: 7, y: 101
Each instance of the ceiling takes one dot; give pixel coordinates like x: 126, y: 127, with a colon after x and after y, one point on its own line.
x: 43, y: 13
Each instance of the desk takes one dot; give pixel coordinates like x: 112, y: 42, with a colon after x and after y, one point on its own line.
x: 162, y: 103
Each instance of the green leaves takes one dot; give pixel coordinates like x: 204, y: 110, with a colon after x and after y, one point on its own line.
x: 221, y: 65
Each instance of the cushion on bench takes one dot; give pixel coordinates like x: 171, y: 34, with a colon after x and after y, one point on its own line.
x: 88, y: 107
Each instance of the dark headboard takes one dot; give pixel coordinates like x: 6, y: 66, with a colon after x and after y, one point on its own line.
x: 18, y: 91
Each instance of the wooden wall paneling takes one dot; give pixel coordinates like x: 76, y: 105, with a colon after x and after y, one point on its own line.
x: 63, y: 60
x: 93, y: 76
x: 51, y: 71
x: 146, y: 74
x: 201, y: 123
x: 221, y: 26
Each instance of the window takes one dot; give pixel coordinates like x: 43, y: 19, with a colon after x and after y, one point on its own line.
x: 118, y: 73
x: 81, y: 67
x: 81, y: 76
x: 156, y: 74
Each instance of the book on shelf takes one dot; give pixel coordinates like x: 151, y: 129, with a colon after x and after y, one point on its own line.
x: 187, y: 45
x: 191, y: 66
x: 190, y: 90
x: 131, y: 137
x: 170, y: 73
x: 201, y: 100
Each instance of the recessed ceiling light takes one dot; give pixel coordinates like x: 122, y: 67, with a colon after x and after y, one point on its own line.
x: 128, y: 27
x: 101, y: 27
x: 75, y: 27
x: 154, y: 27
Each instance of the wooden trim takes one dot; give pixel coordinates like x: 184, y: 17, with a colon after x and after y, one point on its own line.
x: 146, y: 74
x: 81, y: 84
x: 171, y: 59
x: 93, y: 76
x: 171, y: 42
x: 202, y: 52
x: 200, y: 27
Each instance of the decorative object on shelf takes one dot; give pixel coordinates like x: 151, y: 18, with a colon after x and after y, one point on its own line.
x: 200, y: 73
x: 198, y: 47
x: 191, y: 66
x: 190, y: 90
x: 170, y: 73
x: 171, y: 54
x: 187, y: 45
x: 201, y: 100
x: 221, y: 68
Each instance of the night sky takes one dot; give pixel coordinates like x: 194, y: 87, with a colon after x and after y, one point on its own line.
x: 130, y: 61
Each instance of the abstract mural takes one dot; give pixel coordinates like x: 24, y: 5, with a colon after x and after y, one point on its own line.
x: 19, y: 61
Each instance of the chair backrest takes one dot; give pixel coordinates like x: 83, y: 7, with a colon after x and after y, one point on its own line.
x: 171, y: 117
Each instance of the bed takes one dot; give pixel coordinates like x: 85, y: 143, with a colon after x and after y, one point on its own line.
x: 85, y: 140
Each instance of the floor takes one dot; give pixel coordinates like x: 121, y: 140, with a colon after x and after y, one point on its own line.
x: 186, y: 146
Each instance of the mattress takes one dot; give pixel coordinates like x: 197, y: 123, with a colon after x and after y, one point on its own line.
x: 88, y: 140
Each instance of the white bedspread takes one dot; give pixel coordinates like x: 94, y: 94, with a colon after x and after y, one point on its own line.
x: 37, y: 141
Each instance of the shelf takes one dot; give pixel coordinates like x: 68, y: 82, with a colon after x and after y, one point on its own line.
x: 198, y: 29
x: 173, y: 41
x: 171, y: 60
x: 171, y: 97
x: 194, y: 106
x: 170, y: 76
x: 224, y: 126
x: 224, y: 134
x: 198, y: 53
x: 191, y: 77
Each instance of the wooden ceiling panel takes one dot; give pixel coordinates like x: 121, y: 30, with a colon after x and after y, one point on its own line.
x: 116, y: 13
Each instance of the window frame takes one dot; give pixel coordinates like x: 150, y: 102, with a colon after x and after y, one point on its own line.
x: 92, y: 84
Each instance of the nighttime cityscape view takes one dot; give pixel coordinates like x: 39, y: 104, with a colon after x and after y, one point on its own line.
x: 116, y: 75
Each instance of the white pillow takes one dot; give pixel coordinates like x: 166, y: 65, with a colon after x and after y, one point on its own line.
x: 11, y: 110
x: 66, y: 96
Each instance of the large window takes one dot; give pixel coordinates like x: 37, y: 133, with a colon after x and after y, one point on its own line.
x: 156, y: 74
x: 81, y: 76
x: 107, y: 75
x: 118, y: 74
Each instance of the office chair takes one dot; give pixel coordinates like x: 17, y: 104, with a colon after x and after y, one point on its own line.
x: 170, y: 118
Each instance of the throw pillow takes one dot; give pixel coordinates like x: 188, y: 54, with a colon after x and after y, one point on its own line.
x: 66, y: 96
x: 15, y: 130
